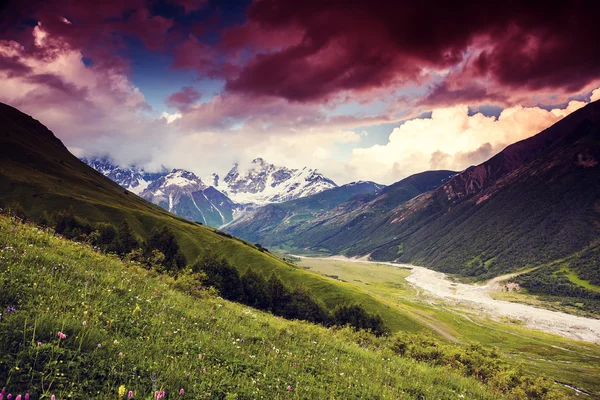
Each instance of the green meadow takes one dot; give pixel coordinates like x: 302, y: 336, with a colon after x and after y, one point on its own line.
x: 80, y: 324
x: 563, y: 360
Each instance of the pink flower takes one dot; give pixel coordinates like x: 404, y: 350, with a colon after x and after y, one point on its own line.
x: 61, y: 335
x: 52, y: 397
x: 18, y: 397
x: 84, y: 323
x: 26, y: 396
x: 39, y: 344
x: 181, y: 392
x: 130, y: 395
x: 167, y: 333
x: 99, y: 345
x: 289, y: 388
x: 9, y: 396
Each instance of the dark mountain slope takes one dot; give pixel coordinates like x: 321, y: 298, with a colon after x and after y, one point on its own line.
x: 536, y: 201
x: 362, y: 213
x: 272, y: 222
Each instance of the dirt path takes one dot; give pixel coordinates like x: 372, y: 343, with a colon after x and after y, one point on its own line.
x: 477, y: 297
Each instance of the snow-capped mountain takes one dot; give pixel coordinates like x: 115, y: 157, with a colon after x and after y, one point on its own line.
x: 132, y: 178
x: 183, y: 193
x: 263, y: 183
x: 214, y: 201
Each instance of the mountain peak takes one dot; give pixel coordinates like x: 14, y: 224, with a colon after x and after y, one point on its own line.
x: 261, y: 183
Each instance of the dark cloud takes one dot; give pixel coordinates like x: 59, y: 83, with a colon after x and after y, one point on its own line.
x: 361, y: 45
x: 184, y: 98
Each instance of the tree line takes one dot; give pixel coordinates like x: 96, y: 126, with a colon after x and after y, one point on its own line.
x: 160, y: 251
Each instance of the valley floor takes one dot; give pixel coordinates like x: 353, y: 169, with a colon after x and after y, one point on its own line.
x: 477, y: 297
x: 467, y: 312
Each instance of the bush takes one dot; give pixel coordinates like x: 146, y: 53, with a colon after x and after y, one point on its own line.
x: 16, y: 210
x: 255, y: 291
x: 164, y: 241
x: 357, y: 317
x: 221, y: 275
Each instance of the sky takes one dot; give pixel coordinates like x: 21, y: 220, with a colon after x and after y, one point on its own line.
x: 361, y: 90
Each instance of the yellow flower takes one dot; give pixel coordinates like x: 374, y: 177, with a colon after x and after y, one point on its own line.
x: 137, y: 309
x: 121, y: 391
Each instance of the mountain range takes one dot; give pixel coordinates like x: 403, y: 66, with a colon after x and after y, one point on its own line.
x: 214, y: 201
x: 536, y: 201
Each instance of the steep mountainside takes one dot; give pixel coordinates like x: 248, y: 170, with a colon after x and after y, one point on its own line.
x: 274, y: 221
x: 179, y: 191
x: 536, y: 201
x: 132, y: 178
x: 37, y: 171
x: 287, y: 225
x: 183, y: 193
x: 262, y: 183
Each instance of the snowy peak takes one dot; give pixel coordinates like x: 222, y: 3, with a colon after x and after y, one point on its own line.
x: 179, y: 179
x: 132, y: 178
x: 261, y: 183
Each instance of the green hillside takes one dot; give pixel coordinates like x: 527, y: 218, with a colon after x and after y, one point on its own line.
x: 79, y: 324
x: 37, y: 171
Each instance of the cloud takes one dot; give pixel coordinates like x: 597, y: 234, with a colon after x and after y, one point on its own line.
x: 184, y: 98
x: 332, y: 47
x: 80, y: 103
x: 450, y: 139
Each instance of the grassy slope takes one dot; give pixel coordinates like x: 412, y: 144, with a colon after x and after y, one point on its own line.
x: 147, y: 329
x: 564, y: 360
x: 37, y: 171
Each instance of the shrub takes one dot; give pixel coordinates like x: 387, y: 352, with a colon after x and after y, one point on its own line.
x: 255, y: 290
x: 16, y: 210
x: 357, y: 317
x: 164, y: 241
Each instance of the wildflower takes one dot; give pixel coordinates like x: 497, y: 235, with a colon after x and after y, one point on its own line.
x: 294, y: 364
x: 289, y: 388
x: 120, y: 354
x: 84, y: 323
x: 18, y: 397
x: 61, y: 335
x: 99, y: 345
x: 181, y: 392
x: 26, y: 396
x: 167, y: 333
x: 130, y: 395
x: 121, y: 391
x: 52, y: 397
x: 116, y: 341
x: 9, y: 396
x: 39, y: 344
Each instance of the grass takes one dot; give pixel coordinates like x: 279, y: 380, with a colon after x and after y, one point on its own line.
x: 564, y: 360
x: 132, y: 328
x: 572, y: 276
